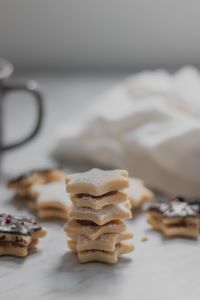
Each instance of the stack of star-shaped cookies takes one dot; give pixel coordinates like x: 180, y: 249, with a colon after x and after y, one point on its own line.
x: 96, y: 225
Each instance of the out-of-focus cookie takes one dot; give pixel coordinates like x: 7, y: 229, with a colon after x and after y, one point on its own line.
x: 23, y: 184
x: 100, y: 217
x: 18, y: 235
x: 52, y: 200
x: 97, y: 182
x: 38, y: 176
x: 75, y: 228
x: 175, y: 218
x: 98, y: 202
x: 102, y: 256
x: 127, y: 204
x: 138, y: 194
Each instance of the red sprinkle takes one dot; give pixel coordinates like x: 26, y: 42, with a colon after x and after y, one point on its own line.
x: 34, y: 222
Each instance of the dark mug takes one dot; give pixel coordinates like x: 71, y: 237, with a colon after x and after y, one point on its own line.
x: 9, y: 86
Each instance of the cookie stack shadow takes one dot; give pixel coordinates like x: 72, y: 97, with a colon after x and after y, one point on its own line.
x: 96, y: 226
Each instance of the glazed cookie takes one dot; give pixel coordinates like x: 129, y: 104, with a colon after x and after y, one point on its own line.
x: 101, y: 216
x: 97, y: 182
x: 52, y: 200
x: 18, y: 235
x: 138, y: 194
x: 175, y: 218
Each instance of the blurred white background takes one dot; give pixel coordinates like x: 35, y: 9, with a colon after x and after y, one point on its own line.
x: 93, y: 33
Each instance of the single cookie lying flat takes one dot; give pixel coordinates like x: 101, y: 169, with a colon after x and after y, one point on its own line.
x: 102, y: 256
x: 175, y: 218
x: 106, y: 242
x: 98, y: 202
x: 52, y: 200
x: 18, y: 235
x: 101, y: 216
x: 23, y: 184
x: 138, y: 194
x: 75, y: 228
x: 97, y: 182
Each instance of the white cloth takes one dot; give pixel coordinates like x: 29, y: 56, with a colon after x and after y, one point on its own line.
x: 148, y: 124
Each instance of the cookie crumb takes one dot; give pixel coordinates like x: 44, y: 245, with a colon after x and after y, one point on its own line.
x: 144, y: 239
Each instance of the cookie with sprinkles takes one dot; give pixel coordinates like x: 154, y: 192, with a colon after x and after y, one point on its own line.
x: 175, y: 217
x: 19, y: 234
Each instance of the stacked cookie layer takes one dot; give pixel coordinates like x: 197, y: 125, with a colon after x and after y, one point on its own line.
x: 96, y: 226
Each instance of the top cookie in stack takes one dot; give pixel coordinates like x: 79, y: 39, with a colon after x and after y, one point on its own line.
x: 96, y: 226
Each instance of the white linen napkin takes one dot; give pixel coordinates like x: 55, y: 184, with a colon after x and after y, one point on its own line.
x: 148, y: 124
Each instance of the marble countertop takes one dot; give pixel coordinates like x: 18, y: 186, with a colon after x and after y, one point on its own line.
x: 158, y: 268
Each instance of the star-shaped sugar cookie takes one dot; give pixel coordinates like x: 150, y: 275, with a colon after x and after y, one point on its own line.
x: 75, y: 228
x: 138, y: 194
x: 99, y: 255
x: 97, y: 182
x: 101, y: 216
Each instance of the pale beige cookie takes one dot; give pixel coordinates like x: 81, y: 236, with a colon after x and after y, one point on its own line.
x: 14, y: 251
x: 191, y: 231
x: 39, y: 233
x: 26, y: 193
x: 181, y: 226
x: 39, y: 176
x: 138, y: 194
x: 98, y: 202
x: 127, y: 204
x: 52, y: 201
x: 97, y: 182
x: 106, y: 242
x: 101, y: 216
x: 72, y: 245
x: 175, y: 218
x: 51, y: 175
x: 186, y: 227
x: 103, y: 256
x: 154, y: 219
x: 47, y: 213
x: 18, y: 234
x: 75, y: 228
x: 23, y: 240
x: 33, y: 244
x: 32, y: 204
x: 23, y: 184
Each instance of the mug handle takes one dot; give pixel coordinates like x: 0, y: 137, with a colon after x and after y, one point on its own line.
x: 31, y: 88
